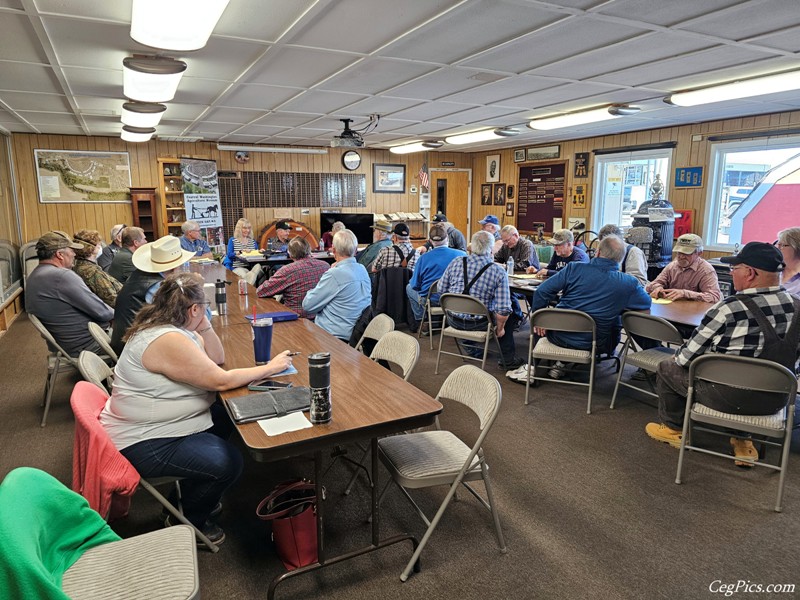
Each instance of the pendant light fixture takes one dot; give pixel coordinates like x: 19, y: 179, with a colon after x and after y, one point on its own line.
x: 142, y: 114
x: 177, y: 25
x: 151, y: 78
x: 137, y: 134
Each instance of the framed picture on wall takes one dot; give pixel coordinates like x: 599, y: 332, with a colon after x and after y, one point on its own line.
x: 493, y: 168
x: 83, y: 176
x: 499, y: 194
x: 388, y: 179
x: 519, y: 155
x: 544, y: 152
x: 509, y: 209
x: 486, y: 194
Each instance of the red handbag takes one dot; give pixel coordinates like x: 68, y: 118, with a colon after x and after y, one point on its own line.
x: 292, y: 508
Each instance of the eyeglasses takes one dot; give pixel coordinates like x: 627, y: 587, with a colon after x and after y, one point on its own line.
x: 779, y: 245
x: 739, y: 267
x: 206, y: 303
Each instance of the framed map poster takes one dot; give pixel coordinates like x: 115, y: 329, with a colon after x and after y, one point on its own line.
x: 83, y: 176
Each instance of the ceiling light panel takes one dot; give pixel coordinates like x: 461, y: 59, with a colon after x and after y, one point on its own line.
x: 151, y: 79
x: 178, y: 25
x: 771, y: 84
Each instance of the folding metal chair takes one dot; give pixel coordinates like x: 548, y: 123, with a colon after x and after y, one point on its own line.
x: 103, y: 339
x: 95, y: 370
x: 429, y: 312
x: 379, y: 326
x: 462, y: 304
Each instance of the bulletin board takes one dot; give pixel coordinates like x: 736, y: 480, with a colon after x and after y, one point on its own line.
x: 540, y: 196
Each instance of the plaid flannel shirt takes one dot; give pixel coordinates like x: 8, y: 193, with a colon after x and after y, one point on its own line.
x: 293, y: 281
x: 729, y: 328
x: 491, y: 288
x: 388, y: 256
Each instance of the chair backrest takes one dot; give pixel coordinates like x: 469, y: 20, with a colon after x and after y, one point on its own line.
x: 379, y: 326
x: 398, y: 348
x: 434, y: 289
x: 651, y: 327
x: 563, y: 319
x: 462, y: 303
x: 476, y: 389
x: 28, y: 258
x: 545, y: 253
x: 95, y: 370
x: 744, y: 372
x: 103, y: 340
x: 51, y: 341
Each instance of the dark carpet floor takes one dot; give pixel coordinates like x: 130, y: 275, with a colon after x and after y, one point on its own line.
x: 588, y: 503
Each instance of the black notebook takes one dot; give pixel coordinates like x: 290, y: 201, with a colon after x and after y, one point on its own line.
x: 264, y: 405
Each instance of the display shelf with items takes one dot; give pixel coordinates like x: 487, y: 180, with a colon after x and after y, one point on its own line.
x: 173, y: 210
x: 143, y: 205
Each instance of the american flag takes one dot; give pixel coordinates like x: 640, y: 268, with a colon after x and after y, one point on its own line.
x: 424, y: 180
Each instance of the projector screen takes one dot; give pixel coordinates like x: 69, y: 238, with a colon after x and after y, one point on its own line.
x: 358, y: 223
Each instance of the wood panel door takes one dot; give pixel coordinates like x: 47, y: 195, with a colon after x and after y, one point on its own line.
x: 451, y: 194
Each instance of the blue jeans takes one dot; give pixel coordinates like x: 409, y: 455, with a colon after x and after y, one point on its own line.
x: 507, y: 346
x: 417, y: 302
x: 208, y: 462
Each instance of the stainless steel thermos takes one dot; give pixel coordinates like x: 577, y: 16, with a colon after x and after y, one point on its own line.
x: 319, y: 380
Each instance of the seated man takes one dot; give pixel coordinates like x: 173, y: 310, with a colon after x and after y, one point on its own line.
x: 400, y: 254
x: 280, y: 242
x: 491, y: 224
x: 521, y: 250
x: 736, y: 325
x: 122, y: 263
x: 482, y: 278
x: 153, y: 262
x: 598, y: 289
x: 192, y: 240
x: 380, y: 240
x: 105, y: 258
x: 688, y: 277
x: 565, y: 253
x: 428, y: 270
x: 295, y: 279
x: 455, y: 239
x: 634, y: 262
x: 343, y: 291
x: 59, y: 297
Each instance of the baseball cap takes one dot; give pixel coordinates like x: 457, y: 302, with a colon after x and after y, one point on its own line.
x: 382, y: 225
x: 283, y: 225
x: 688, y: 243
x: 162, y: 255
x: 758, y: 255
x: 401, y: 230
x: 562, y: 236
x: 437, y: 232
x: 489, y: 219
x: 56, y: 240
x: 439, y: 218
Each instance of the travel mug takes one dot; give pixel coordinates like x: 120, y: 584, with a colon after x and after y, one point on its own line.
x: 221, y: 297
x: 262, y: 340
x: 319, y: 380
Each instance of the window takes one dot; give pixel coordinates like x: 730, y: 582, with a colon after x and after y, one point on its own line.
x: 623, y: 182
x: 738, y: 210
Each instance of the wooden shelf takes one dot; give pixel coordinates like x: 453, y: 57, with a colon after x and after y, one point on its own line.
x: 143, y: 204
x: 170, y: 197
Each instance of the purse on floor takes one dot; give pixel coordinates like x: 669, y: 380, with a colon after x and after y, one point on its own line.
x: 292, y: 508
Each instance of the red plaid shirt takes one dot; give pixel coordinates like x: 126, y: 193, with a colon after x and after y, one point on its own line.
x: 293, y: 281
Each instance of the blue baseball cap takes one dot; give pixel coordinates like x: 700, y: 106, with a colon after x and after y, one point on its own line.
x: 489, y: 219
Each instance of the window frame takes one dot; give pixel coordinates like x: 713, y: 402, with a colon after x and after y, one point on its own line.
x: 718, y: 152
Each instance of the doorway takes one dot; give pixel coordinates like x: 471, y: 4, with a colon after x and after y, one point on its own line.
x: 451, y: 194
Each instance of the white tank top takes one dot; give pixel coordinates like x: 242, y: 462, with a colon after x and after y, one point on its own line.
x: 146, y: 405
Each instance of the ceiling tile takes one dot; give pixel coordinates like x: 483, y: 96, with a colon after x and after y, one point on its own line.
x: 279, y: 66
x: 320, y: 102
x: 260, y: 97
x: 504, y: 92
x: 286, y: 119
x: 665, y: 14
x: 119, y: 10
x: 39, y: 102
x: 443, y: 82
x: 372, y: 76
x: 749, y: 19
x: 432, y: 111
x: 29, y: 78
x: 91, y: 44
x: 18, y: 40
x: 48, y: 118
x: 223, y: 114
x: 380, y: 105
x: 94, y: 82
x: 263, y: 20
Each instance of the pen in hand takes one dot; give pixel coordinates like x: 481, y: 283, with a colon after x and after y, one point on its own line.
x: 294, y: 353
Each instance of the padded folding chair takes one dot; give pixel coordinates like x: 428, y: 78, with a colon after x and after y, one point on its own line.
x: 433, y: 458
x: 95, y: 370
x: 379, y: 326
x: 57, y: 361
x: 63, y: 549
x: 462, y: 304
x: 28, y: 258
x: 650, y: 327
x: 561, y: 319
x: 402, y: 350
x: 103, y: 339
x: 760, y: 376
x: 91, y: 441
x: 431, y: 311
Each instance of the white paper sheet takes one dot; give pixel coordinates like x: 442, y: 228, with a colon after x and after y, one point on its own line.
x: 279, y: 425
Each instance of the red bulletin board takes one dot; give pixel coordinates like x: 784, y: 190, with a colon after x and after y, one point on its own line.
x: 683, y: 224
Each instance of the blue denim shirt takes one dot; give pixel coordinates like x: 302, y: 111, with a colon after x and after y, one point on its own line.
x: 199, y: 247
x: 341, y: 295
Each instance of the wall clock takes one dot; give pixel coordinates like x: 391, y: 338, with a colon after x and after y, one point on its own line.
x: 351, y: 160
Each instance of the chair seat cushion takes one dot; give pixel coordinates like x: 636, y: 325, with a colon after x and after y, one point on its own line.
x: 649, y: 359
x: 774, y: 422
x: 425, y: 458
x: 161, y: 564
x: 436, y: 310
x: 545, y: 349
x: 476, y: 336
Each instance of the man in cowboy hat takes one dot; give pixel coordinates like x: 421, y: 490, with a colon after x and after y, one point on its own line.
x: 153, y: 262
x: 381, y: 231
x: 59, y: 297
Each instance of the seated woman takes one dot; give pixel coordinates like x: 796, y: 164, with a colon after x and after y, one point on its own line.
x: 101, y: 283
x: 162, y: 414
x: 242, y: 241
x: 327, y: 237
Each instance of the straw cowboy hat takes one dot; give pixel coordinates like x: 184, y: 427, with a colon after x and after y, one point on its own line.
x: 162, y: 255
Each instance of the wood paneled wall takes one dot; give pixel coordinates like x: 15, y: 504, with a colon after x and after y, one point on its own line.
x: 37, y: 218
x: 687, y: 153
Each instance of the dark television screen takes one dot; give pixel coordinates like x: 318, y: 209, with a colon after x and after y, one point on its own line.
x: 358, y: 223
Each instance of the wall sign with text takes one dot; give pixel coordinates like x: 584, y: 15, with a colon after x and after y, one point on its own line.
x: 688, y: 177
